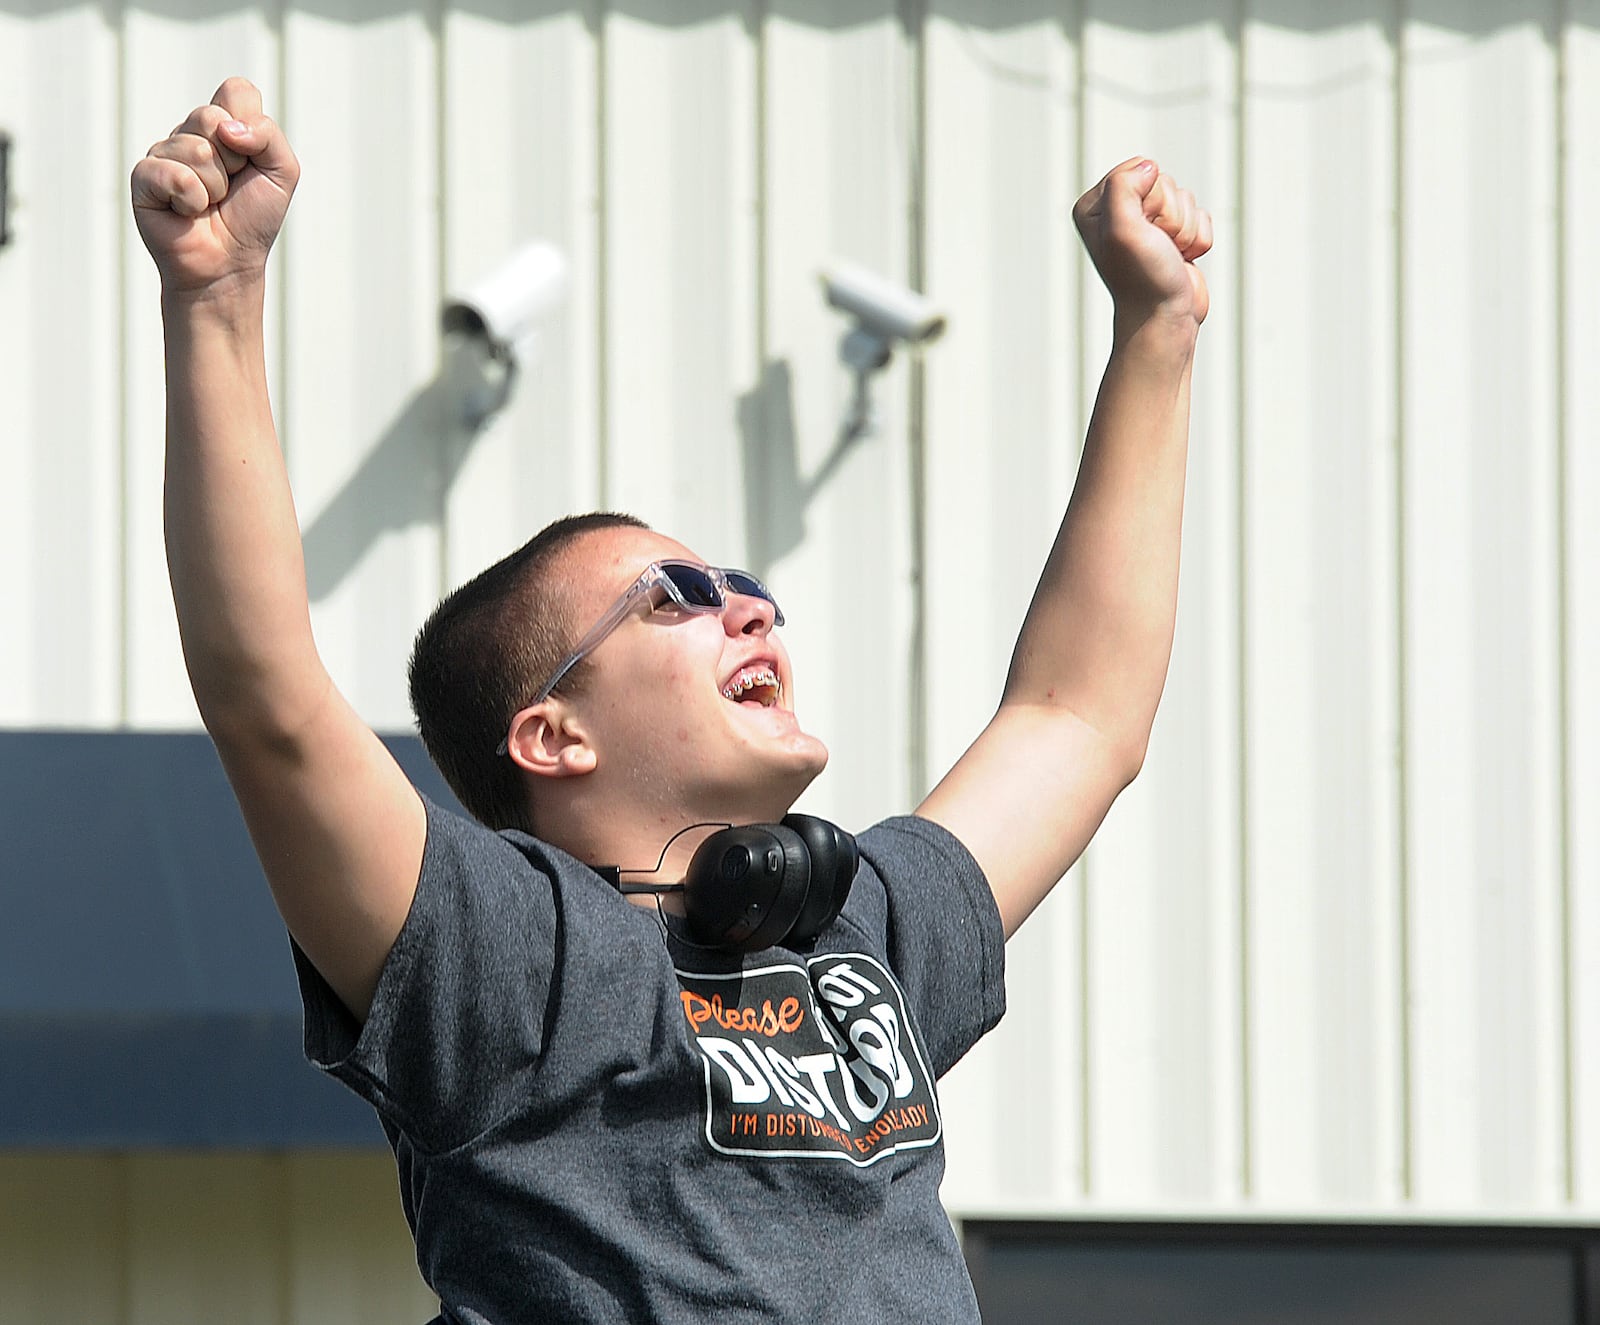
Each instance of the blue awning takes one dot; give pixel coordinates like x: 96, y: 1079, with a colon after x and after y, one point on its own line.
x: 147, y: 996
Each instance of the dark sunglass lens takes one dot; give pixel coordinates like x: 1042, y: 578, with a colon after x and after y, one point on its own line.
x: 698, y: 588
x: 742, y: 582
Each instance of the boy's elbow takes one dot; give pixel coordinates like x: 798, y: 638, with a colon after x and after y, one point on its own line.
x: 1129, y: 753
x: 263, y: 713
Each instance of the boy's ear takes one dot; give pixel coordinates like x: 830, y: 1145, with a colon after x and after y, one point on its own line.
x: 548, y: 739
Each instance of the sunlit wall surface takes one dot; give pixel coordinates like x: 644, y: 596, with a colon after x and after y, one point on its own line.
x: 1333, y: 951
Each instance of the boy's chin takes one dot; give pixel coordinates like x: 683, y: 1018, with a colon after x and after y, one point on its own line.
x: 809, y: 757
x: 781, y: 781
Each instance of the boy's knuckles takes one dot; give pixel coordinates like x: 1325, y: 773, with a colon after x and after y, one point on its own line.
x: 238, y: 97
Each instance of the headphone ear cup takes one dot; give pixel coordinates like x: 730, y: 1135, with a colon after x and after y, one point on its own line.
x: 746, y: 886
x: 834, y: 858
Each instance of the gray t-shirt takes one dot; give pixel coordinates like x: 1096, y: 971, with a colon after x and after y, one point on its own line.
x: 594, y: 1120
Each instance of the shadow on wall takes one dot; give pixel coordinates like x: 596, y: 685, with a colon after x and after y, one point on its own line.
x: 401, y: 483
x: 406, y: 476
x: 776, y: 494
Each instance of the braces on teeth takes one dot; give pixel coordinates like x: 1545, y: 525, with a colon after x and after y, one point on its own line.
x: 745, y: 684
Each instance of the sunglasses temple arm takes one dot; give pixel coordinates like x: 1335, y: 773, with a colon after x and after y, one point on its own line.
x: 590, y: 642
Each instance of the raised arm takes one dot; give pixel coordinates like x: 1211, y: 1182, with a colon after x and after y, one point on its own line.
x: 336, y: 823
x: 1091, y: 660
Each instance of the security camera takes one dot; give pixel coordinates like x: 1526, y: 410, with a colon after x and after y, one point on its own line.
x: 491, y: 326
x: 884, y: 312
x: 505, y: 306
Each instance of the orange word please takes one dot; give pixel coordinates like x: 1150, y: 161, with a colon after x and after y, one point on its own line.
x: 784, y: 1021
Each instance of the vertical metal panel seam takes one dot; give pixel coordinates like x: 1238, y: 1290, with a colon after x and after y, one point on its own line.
x: 602, y: 281
x: 1402, y: 790
x: 1241, y: 588
x: 1080, y: 387
x: 914, y: 26
x: 761, y: 13
x: 280, y: 286
x: 122, y: 238
x: 1564, y: 811
x: 441, y: 211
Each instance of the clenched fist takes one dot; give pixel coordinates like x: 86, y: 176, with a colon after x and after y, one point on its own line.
x: 1144, y: 234
x: 210, y: 198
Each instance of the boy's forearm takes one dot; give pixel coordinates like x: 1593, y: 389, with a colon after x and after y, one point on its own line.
x: 1098, y: 635
x: 233, y: 542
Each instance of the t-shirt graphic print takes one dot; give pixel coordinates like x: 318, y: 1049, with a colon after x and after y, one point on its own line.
x: 817, y: 1061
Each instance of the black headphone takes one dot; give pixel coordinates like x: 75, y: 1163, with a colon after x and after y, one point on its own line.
x: 758, y: 885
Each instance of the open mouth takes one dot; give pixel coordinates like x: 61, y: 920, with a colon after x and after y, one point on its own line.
x: 754, y: 685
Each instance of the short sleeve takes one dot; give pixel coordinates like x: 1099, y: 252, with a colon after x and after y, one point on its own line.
x: 942, y: 932
x: 457, y: 1023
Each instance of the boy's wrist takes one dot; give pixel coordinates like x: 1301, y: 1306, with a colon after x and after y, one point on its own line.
x: 1156, y: 333
x: 228, y: 301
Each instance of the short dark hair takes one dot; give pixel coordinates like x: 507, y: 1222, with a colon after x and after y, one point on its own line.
x: 481, y: 655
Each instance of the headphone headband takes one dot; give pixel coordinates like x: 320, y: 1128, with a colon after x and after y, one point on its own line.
x: 756, y: 886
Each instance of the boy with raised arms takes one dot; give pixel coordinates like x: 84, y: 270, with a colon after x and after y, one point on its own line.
x: 599, y: 1111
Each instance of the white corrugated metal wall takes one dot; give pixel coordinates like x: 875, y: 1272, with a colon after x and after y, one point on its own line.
x: 1333, y: 951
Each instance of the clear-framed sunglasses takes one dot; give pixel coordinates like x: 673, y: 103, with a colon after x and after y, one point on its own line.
x: 684, y: 585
